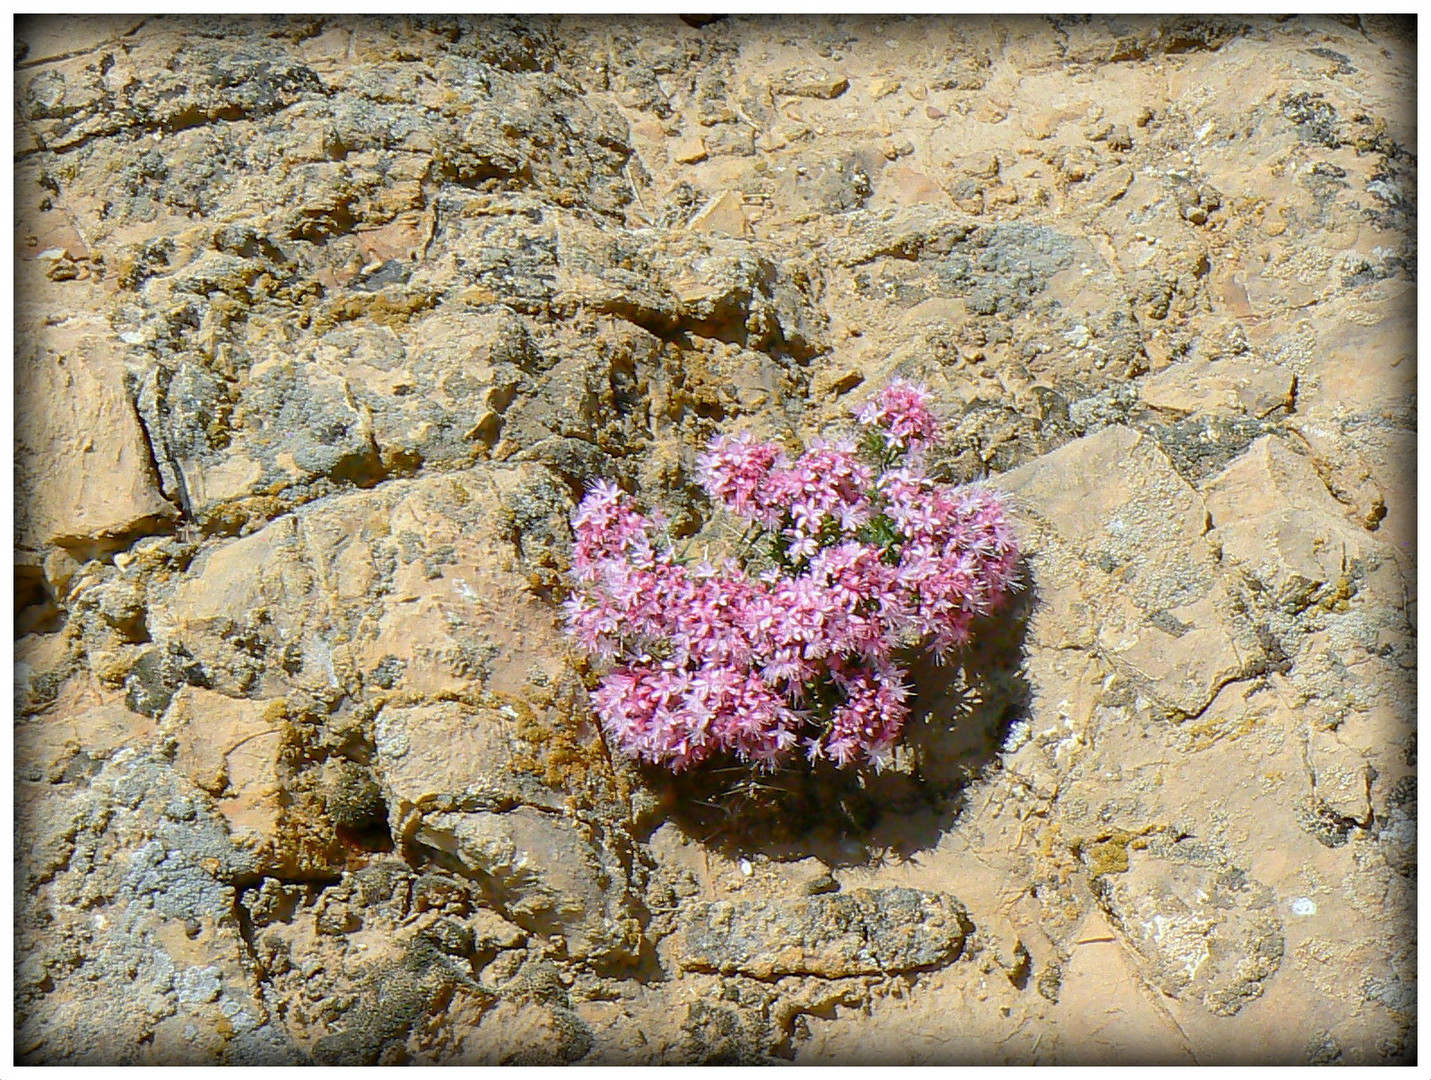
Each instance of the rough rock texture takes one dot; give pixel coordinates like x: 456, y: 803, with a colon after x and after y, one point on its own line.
x: 865, y: 932
x: 324, y: 324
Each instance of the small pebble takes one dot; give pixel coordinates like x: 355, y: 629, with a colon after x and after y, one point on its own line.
x: 825, y: 883
x: 1304, y: 906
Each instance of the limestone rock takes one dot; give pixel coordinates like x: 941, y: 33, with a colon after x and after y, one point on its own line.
x: 54, y: 747
x: 862, y: 932
x: 1226, y: 385
x: 145, y: 845
x: 811, y: 83
x: 1346, y: 472
x: 325, y: 324
x: 1275, y: 518
x: 690, y: 152
x: 450, y: 756
x: 241, y: 752
x: 459, y: 780
x: 85, y: 477
x: 1115, y: 497
x: 724, y: 215
x: 226, y: 745
x: 1212, y: 936
x: 392, y: 586
x: 551, y: 876
x: 1110, y: 508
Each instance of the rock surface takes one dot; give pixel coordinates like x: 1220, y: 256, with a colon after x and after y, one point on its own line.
x: 323, y: 326
x: 864, y: 932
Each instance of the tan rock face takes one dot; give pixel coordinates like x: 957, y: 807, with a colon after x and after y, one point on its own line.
x: 502, y: 823
x: 325, y: 324
x: 877, y: 932
x: 75, y: 742
x: 1223, y: 386
x: 226, y: 744
x: 724, y: 215
x: 1097, y: 506
x: 1276, y: 519
x: 86, y: 479
x: 241, y: 753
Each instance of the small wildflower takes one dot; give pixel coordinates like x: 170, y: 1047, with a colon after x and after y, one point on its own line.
x: 902, y: 409
x: 872, y: 559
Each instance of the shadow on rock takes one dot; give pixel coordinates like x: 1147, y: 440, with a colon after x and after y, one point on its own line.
x: 962, y: 714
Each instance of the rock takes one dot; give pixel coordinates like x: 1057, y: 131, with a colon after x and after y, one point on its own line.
x: 43, y: 39
x: 882, y: 88
x: 552, y: 876
x: 207, y: 611
x: 231, y: 749
x: 230, y: 84
x: 55, y: 748
x: 1397, y: 828
x: 724, y: 215
x: 895, y: 233
x: 727, y: 290
x: 306, y: 424
x: 387, y: 587
x: 810, y: 83
x: 85, y: 478
x: 1114, y: 506
x: 528, y: 1034
x: 823, y: 184
x: 1345, y: 471
x: 147, y: 847
x: 1341, y: 779
x: 208, y: 728
x: 491, y: 931
x: 1276, y: 519
x: 238, y: 751
x: 861, y: 932
x: 1224, y: 385
x: 353, y: 311
x: 535, y: 126
x: 905, y: 187
x: 1211, y: 936
x: 449, y: 756
x: 395, y: 998
x: 460, y: 780
x: 689, y: 152
x: 721, y: 1034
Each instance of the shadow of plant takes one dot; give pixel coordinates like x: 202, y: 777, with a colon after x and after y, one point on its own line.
x: 962, y: 712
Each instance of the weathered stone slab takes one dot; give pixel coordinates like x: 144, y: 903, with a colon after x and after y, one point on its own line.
x: 1204, y: 934
x: 863, y: 932
x: 84, y: 476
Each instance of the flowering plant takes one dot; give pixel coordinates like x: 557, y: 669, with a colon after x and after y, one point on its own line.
x: 867, y: 556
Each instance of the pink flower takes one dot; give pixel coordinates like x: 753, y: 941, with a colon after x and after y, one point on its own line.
x: 902, y: 409
x: 707, y: 660
x: 737, y: 472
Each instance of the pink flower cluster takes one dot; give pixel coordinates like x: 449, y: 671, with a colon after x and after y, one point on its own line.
x: 903, y: 411
x: 868, y: 560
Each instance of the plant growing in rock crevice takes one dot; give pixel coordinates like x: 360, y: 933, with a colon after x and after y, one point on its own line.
x: 866, y: 555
